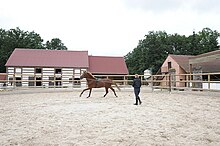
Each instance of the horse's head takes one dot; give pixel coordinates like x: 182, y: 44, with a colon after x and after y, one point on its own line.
x: 87, y: 74
x: 83, y: 75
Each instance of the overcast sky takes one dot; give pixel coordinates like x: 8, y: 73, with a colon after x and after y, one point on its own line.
x: 108, y: 27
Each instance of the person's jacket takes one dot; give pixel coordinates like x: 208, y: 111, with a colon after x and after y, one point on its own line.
x: 136, y: 83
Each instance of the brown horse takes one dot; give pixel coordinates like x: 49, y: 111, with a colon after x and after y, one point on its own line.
x: 92, y: 82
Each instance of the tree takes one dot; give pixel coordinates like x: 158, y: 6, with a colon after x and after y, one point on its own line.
x: 3, y: 52
x: 207, y: 40
x: 151, y: 52
x: 17, y: 38
x: 55, y: 44
x: 177, y: 44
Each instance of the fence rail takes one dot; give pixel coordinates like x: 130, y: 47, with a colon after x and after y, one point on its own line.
x: 200, y: 81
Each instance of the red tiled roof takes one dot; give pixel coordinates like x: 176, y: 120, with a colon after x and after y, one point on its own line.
x: 207, y: 54
x: 182, y: 60
x: 209, y: 67
x: 210, y: 62
x: 48, y: 58
x: 107, y: 65
x: 63, y: 58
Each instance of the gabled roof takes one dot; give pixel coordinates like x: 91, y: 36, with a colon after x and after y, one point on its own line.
x: 207, y: 54
x: 182, y: 60
x: 209, y: 67
x: 210, y: 62
x: 48, y: 58
x: 64, y: 58
x: 107, y: 65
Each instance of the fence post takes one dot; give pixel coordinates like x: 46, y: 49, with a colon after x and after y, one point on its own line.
x: 152, y: 83
x: 186, y: 81
x: 190, y: 81
x: 170, y: 82
x: 209, y: 82
x: 14, y: 82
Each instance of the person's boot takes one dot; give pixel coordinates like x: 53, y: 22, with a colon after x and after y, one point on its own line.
x: 136, y: 102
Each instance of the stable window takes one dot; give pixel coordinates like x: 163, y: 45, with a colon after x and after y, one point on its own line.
x: 17, y: 70
x: 58, y: 71
x: 18, y: 81
x: 169, y: 65
x: 38, y: 70
x: 11, y: 81
x: 38, y: 81
x: 31, y: 81
x: 51, y: 81
x: 76, y: 81
x: 58, y: 82
x: 70, y: 80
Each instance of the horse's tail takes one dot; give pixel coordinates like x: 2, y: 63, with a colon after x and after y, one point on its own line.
x: 117, y: 86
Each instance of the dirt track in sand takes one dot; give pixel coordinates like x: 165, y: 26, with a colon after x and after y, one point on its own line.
x: 62, y: 118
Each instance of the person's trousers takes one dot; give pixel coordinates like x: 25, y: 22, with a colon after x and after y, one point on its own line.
x: 136, y: 92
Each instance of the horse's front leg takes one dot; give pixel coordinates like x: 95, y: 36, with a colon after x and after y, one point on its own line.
x: 83, y: 91
x: 106, y: 91
x: 90, y: 92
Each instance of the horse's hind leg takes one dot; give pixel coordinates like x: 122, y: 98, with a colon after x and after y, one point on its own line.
x: 85, y: 90
x: 113, y: 91
x: 106, y: 91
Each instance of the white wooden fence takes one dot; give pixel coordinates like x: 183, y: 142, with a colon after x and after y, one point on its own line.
x: 203, y: 81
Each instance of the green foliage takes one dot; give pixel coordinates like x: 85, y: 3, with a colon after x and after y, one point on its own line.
x: 55, y: 44
x: 207, y: 40
x: 17, y: 38
x: 152, y: 51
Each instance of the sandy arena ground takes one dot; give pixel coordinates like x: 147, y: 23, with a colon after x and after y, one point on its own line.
x: 64, y: 118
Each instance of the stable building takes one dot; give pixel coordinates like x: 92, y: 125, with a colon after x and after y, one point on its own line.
x: 176, y: 65
x: 200, y: 66
x: 205, y: 64
x: 39, y: 67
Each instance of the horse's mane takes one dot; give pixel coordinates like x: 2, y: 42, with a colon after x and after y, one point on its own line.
x: 90, y: 74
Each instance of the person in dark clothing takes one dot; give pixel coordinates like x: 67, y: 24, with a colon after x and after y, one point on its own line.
x: 137, y: 85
